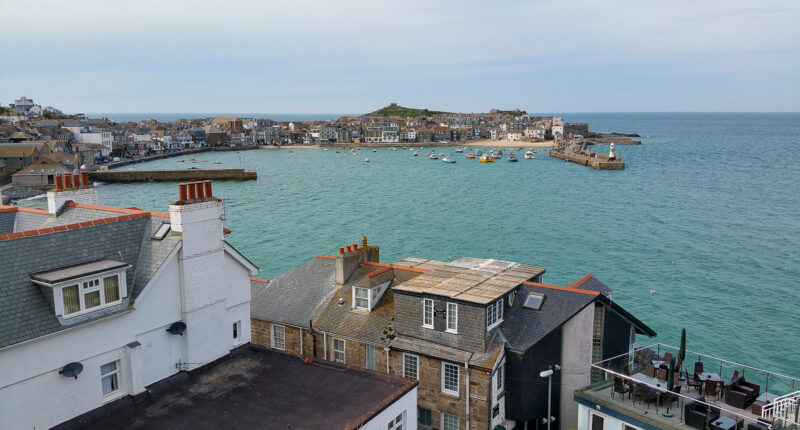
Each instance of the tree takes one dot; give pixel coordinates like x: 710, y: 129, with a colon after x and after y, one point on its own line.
x: 670, y: 385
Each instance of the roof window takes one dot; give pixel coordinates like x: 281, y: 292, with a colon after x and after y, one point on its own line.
x: 534, y: 301
x: 162, y: 231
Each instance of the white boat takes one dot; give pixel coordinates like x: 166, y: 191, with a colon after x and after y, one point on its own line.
x: 433, y: 156
x: 529, y: 154
x: 459, y: 149
x: 366, y: 160
x: 448, y: 159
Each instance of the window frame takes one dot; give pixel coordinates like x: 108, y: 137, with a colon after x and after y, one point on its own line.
x: 425, y: 303
x: 447, y: 317
x: 273, y: 344
x: 335, y: 351
x: 445, y: 414
x: 591, y: 420
x: 499, y: 378
x: 58, y: 292
x: 429, y: 414
x: 416, y: 366
x: 369, y: 353
x: 356, y: 298
x: 237, y: 331
x: 115, y: 377
x: 446, y: 390
x: 494, y: 314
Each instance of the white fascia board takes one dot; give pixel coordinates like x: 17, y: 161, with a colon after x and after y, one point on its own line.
x: 241, y: 259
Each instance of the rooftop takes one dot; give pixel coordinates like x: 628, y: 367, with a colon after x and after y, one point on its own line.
x: 625, y: 384
x: 260, y: 389
x: 467, y: 279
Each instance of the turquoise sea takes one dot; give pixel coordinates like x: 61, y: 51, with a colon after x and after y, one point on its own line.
x: 707, y: 214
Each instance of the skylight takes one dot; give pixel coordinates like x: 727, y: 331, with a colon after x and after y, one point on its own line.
x: 162, y: 231
x: 534, y: 301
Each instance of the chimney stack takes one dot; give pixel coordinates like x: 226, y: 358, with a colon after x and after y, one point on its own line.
x: 350, y: 256
x: 74, y: 187
x: 191, y: 191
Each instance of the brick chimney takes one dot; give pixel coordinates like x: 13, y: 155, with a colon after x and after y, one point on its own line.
x: 72, y: 187
x: 351, y: 255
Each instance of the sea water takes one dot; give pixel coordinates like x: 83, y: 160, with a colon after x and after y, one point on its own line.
x: 706, y: 215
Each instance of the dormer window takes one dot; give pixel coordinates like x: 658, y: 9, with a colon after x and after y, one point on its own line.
x: 494, y: 314
x: 361, y: 298
x: 77, y: 290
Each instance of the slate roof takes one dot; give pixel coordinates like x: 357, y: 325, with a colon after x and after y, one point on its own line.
x: 524, y: 327
x: 7, y: 220
x: 589, y: 282
x: 296, y: 296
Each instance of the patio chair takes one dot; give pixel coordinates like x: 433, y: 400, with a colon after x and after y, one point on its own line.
x: 711, y: 389
x: 692, y: 381
x: 735, y: 375
x: 651, y: 370
x: 698, y: 367
x: 667, y: 357
x: 626, y: 371
x: 661, y: 374
x: 620, y: 387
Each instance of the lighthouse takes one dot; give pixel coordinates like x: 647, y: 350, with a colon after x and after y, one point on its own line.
x: 611, y: 151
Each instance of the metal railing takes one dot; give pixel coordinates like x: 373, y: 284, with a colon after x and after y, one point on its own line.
x: 784, y: 407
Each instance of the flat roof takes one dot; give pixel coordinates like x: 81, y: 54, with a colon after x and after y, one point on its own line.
x: 77, y: 271
x: 261, y: 389
x: 468, y: 279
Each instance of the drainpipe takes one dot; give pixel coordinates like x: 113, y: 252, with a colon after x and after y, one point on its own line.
x: 386, y: 348
x: 466, y: 370
x: 301, y: 342
x: 325, y: 345
x: 313, y: 337
x: 491, y: 401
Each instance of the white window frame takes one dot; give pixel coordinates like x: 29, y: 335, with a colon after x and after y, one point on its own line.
x: 425, y: 303
x: 416, y: 370
x: 398, y: 422
x: 494, y: 314
x: 369, y: 350
x: 58, y: 293
x: 452, y: 308
x: 356, y: 298
x: 335, y: 351
x: 446, y: 390
x: 273, y: 330
x: 499, y: 378
x: 114, y: 375
x: 456, y: 417
x: 237, y: 331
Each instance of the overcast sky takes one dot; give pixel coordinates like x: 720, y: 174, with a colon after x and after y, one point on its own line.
x: 353, y: 57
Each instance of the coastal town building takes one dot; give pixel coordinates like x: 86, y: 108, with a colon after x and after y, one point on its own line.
x: 475, y: 333
x: 101, y: 303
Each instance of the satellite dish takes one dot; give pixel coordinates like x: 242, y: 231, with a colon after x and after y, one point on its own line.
x: 72, y: 370
x: 177, y: 327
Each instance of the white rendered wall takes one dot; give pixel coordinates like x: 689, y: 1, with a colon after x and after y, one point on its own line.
x: 609, y: 423
x: 576, y: 363
x: 407, y: 403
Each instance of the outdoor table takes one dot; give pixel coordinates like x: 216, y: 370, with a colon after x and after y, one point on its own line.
x: 659, y: 363
x: 766, y: 397
x: 641, y: 377
x: 723, y: 423
x: 708, y: 375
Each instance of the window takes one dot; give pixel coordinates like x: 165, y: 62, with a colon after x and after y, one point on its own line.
x: 90, y: 293
x: 237, y: 327
x: 397, y: 422
x: 450, y: 378
x: 361, y: 298
x: 338, y: 350
x: 278, y: 338
x: 534, y: 301
x: 108, y: 373
x: 410, y: 366
x: 452, y: 317
x: 370, y: 357
x: 424, y: 418
x: 494, y: 314
x: 511, y: 298
x: 449, y: 422
x: 597, y: 422
x: 499, y: 377
x: 427, y: 313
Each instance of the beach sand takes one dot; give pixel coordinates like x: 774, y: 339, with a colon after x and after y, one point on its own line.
x: 506, y: 144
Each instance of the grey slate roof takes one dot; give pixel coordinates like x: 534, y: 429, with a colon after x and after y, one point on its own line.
x: 74, y: 215
x: 25, y: 312
x: 153, y: 254
x: 296, y: 296
x: 7, y: 222
x: 524, y: 327
x: 29, y: 221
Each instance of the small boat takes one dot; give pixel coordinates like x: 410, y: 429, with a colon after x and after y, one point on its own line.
x: 486, y: 158
x: 204, y: 161
x: 288, y: 150
x: 180, y: 161
x: 374, y: 150
x: 404, y: 147
x: 478, y: 152
x: 218, y: 162
x: 512, y: 157
x: 337, y: 152
x: 459, y: 149
x: 191, y: 159
x: 470, y: 156
x: 433, y: 156
x: 325, y: 149
x: 448, y: 159
x: 416, y: 153
x: 529, y: 155
x: 366, y: 160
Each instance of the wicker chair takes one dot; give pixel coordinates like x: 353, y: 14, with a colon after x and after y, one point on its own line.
x: 661, y: 374
x: 691, y: 381
x: 620, y: 387
x: 651, y: 370
x: 698, y: 367
x: 711, y: 389
x: 667, y: 357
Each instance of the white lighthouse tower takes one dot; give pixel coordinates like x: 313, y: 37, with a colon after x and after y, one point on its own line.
x: 611, y: 151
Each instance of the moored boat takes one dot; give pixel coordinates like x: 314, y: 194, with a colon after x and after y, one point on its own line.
x: 529, y: 154
x: 512, y: 157
x: 459, y: 149
x: 470, y: 156
x: 486, y: 158
x: 433, y: 156
x: 448, y: 159
x: 416, y: 153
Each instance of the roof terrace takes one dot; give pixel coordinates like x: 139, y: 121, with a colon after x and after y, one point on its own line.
x: 706, y: 391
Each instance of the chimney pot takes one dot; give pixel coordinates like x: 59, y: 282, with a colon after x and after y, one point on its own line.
x: 76, y: 180
x: 182, y: 192
x: 207, y: 185
x: 84, y: 178
x: 355, y: 247
x: 349, y: 248
x: 59, y: 183
x: 192, y: 191
x: 67, y: 181
x: 341, y: 250
x: 199, y: 188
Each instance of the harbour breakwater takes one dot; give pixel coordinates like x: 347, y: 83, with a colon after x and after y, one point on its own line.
x: 173, y: 175
x: 578, y: 154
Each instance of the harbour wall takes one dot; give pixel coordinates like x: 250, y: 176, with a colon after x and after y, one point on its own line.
x: 173, y: 175
x: 591, y: 159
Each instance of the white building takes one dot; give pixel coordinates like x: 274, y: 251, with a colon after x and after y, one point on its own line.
x: 99, y: 303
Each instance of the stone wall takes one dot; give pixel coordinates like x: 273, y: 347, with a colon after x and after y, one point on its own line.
x: 172, y: 175
x: 471, y: 322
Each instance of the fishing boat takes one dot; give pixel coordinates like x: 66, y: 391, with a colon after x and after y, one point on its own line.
x: 512, y: 157
x: 416, y: 153
x: 180, y: 161
x: 496, y: 154
x: 529, y: 155
x: 433, y: 156
x: 374, y: 150
x: 218, y: 162
x: 486, y: 158
x: 459, y: 149
x: 448, y: 159
x: 478, y: 152
x: 470, y: 156
x: 205, y: 161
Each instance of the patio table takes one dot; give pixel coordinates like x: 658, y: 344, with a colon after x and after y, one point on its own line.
x: 723, y: 423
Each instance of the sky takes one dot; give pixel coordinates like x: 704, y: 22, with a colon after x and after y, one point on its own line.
x: 354, y: 57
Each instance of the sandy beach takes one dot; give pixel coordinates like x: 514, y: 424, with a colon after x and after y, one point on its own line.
x: 506, y: 144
